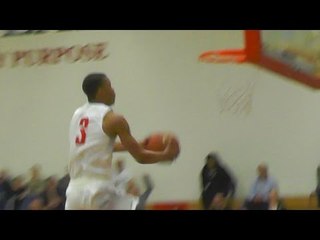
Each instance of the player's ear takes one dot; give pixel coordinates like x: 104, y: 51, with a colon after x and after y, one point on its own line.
x: 99, y: 91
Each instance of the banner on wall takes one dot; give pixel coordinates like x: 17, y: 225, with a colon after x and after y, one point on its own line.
x: 8, y: 33
x: 52, y: 56
x: 95, y: 51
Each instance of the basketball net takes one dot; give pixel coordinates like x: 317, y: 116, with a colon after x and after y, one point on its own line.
x: 234, y: 95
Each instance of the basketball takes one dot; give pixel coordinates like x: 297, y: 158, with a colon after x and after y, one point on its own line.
x: 158, y: 142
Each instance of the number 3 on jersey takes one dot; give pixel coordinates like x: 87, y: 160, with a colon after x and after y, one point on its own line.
x: 84, y: 122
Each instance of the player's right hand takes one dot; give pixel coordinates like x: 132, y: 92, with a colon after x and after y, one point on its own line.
x: 172, y: 149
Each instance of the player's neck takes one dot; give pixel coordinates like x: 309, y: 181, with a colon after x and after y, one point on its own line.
x: 95, y: 102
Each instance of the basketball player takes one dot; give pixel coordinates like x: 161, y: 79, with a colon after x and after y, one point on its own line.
x: 93, y: 130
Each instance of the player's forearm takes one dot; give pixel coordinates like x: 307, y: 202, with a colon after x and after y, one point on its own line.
x: 118, y: 147
x: 149, y: 157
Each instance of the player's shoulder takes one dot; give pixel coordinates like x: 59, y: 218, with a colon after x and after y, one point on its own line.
x: 78, y: 111
x: 115, y: 120
x: 113, y: 116
x: 80, y: 107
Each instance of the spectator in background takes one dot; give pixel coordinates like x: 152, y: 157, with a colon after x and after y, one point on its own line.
x: 316, y: 193
x: 122, y: 178
x: 144, y: 196
x: 125, y: 184
x: 17, y: 189
x: 20, y: 198
x: 51, y: 199
x: 219, y: 202
x: 5, y: 189
x: 258, y: 198
x: 36, y: 184
x: 275, y: 203
x: 318, y: 186
x: 62, y: 186
x: 215, y: 180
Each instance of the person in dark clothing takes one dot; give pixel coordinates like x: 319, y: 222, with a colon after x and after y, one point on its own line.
x: 220, y: 202
x: 316, y: 192
x: 20, y: 198
x: 50, y: 196
x: 275, y: 202
x: 5, y: 189
x: 62, y: 187
x: 144, y: 196
x: 215, y: 179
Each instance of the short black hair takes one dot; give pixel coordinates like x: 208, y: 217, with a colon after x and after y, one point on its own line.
x: 212, y: 155
x: 91, y: 84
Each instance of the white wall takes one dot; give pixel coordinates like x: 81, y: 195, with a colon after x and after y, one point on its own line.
x: 160, y: 85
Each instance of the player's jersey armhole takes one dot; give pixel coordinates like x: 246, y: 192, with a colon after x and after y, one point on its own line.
x: 107, y: 111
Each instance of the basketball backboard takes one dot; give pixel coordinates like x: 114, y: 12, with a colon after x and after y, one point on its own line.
x: 292, y: 53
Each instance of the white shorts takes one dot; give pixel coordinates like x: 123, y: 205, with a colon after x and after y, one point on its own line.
x: 97, y: 194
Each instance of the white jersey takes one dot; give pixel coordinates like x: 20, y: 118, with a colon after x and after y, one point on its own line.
x: 90, y: 148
